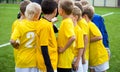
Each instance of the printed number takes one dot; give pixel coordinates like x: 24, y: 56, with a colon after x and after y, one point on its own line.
x: 30, y: 36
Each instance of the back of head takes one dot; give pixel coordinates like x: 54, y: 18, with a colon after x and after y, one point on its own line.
x: 67, y: 6
x: 32, y: 10
x: 84, y: 2
x: 89, y: 11
x: 48, y: 6
x: 23, y: 5
x: 77, y: 11
x: 79, y: 5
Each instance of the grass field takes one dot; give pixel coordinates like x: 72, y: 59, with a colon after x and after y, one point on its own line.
x: 8, y: 14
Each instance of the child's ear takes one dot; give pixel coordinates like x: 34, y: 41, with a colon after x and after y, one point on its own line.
x: 84, y: 16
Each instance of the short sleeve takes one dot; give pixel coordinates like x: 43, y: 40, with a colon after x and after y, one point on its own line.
x: 94, y: 30
x: 69, y: 29
x: 44, y: 36
x: 16, y: 33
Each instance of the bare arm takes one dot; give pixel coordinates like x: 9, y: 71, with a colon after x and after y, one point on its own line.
x: 85, y: 46
x: 14, y: 44
x: 80, y: 53
x: 70, y: 41
x: 94, y: 39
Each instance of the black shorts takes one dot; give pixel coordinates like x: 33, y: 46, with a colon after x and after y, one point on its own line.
x: 64, y: 70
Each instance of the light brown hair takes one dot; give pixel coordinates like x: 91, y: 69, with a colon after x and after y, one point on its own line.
x: 67, y: 6
x: 84, y: 2
x: 23, y: 5
x: 89, y: 11
x: 77, y: 11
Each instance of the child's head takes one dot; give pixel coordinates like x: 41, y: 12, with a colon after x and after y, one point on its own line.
x: 76, y: 13
x: 33, y: 11
x: 23, y: 5
x: 84, y: 2
x: 89, y: 11
x: 79, y: 5
x: 65, y: 6
x: 49, y: 7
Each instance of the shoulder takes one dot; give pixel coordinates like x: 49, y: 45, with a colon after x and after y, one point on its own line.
x: 97, y: 17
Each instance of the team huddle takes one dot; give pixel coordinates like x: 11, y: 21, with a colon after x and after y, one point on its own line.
x: 77, y: 47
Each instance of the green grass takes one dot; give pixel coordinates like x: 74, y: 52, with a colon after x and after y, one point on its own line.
x: 8, y: 14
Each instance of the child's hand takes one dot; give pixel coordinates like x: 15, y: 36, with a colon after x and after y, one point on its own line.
x: 75, y: 65
x: 16, y: 45
x: 60, y: 49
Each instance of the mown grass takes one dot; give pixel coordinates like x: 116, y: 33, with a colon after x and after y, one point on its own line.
x: 8, y: 14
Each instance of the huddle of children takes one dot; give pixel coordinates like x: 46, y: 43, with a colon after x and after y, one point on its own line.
x: 78, y: 45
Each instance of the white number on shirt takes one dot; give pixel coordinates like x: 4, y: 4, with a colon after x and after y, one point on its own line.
x: 30, y: 36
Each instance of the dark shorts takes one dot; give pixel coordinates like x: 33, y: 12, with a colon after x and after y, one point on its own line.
x: 64, y: 70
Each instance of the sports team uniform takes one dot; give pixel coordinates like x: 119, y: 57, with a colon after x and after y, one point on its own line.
x: 46, y: 37
x: 26, y: 54
x: 79, y: 43
x: 66, y: 31
x: 84, y: 26
x: 98, y: 53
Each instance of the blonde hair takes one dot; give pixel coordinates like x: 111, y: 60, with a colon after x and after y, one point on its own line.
x: 77, y: 11
x: 32, y: 10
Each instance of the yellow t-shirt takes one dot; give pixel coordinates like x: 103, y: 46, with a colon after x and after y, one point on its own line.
x: 46, y: 37
x: 79, y: 42
x: 98, y: 53
x: 85, y: 27
x: 65, y: 32
x: 15, y: 23
x: 26, y: 33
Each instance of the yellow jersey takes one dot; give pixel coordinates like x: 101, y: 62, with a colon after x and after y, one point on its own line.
x: 98, y: 53
x: 79, y: 42
x: 85, y: 27
x: 66, y: 31
x: 15, y: 23
x: 26, y: 33
x: 46, y: 37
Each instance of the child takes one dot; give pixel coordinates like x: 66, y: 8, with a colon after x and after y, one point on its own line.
x: 98, y: 54
x: 66, y: 36
x: 47, y: 55
x: 84, y: 26
x: 23, y: 5
x: 79, y: 46
x: 26, y: 33
x: 99, y: 22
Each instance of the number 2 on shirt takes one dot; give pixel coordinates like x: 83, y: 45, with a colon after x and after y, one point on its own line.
x: 30, y: 36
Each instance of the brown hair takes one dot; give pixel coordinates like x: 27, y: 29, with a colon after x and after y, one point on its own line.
x: 89, y: 11
x: 23, y: 5
x: 84, y: 2
x: 77, y: 11
x: 79, y: 5
x: 67, y: 6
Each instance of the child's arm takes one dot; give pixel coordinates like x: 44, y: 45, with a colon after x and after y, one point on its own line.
x: 94, y: 39
x: 76, y: 63
x: 85, y: 46
x: 70, y: 41
x: 14, y: 43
